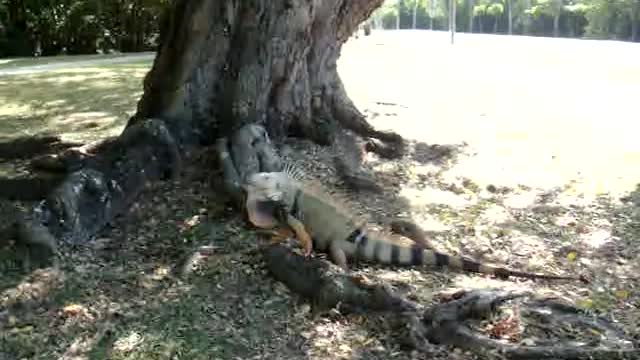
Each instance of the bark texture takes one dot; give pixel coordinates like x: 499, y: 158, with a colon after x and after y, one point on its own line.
x: 225, y: 64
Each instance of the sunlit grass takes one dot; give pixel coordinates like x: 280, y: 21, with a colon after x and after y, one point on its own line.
x: 79, y: 104
x: 11, y: 63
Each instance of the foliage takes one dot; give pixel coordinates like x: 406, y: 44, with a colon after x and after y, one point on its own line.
x: 619, y: 19
x: 39, y: 27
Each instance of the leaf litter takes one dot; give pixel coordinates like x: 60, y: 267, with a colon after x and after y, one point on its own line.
x: 181, y: 276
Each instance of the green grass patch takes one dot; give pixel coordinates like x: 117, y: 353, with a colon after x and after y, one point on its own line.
x: 13, y: 63
x: 79, y: 104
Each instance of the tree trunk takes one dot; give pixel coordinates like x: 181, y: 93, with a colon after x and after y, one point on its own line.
x: 527, y: 21
x: 220, y: 65
x: 510, y: 17
x: 556, y: 25
x: 470, y: 25
x: 634, y: 17
x: 431, y: 15
x: 452, y: 19
x: 415, y: 13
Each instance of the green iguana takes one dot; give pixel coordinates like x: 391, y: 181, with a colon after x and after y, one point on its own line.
x: 276, y: 199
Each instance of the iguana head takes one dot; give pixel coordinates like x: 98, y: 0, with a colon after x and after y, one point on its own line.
x: 266, y: 192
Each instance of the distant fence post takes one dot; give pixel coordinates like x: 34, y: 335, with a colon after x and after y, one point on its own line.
x: 452, y: 18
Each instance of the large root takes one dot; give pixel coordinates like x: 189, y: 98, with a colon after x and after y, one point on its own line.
x: 327, y: 286
x: 103, y: 186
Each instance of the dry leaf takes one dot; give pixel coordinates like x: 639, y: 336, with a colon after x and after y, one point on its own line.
x: 73, y: 310
x: 622, y: 294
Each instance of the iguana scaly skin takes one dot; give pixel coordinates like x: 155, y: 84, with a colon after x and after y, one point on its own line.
x: 276, y: 199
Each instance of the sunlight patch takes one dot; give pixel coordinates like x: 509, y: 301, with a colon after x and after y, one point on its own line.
x: 429, y: 195
x: 13, y: 109
x: 496, y: 215
x: 79, y: 117
x: 337, y: 340
x: 521, y: 201
x: 36, y: 287
x: 596, y: 238
x: 477, y: 281
x: 429, y: 222
x: 129, y: 342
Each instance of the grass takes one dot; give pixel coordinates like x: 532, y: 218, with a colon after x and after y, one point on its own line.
x: 556, y: 146
x: 79, y: 104
x: 13, y: 63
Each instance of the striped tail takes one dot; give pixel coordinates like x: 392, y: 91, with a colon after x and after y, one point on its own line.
x: 380, y: 249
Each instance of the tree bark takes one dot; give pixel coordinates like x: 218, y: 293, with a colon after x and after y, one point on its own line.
x: 634, y: 18
x: 415, y: 14
x: 471, y: 16
x: 452, y: 19
x: 556, y: 25
x: 510, y: 17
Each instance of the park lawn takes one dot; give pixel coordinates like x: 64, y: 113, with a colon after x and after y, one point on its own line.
x: 13, y: 63
x: 79, y: 104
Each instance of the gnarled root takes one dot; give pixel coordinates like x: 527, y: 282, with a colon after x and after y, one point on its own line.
x: 445, y: 324
x: 107, y: 182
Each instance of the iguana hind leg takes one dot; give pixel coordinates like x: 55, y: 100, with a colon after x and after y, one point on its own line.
x: 338, y: 256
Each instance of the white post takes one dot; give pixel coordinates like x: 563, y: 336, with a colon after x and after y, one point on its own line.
x: 452, y: 18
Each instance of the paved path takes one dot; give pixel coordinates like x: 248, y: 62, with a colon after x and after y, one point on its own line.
x: 30, y: 69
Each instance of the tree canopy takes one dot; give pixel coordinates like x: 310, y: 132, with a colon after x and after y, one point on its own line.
x: 40, y: 27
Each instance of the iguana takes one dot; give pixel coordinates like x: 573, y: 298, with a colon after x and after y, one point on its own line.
x: 276, y: 199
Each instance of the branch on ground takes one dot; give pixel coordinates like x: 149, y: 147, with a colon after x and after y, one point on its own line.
x: 30, y: 146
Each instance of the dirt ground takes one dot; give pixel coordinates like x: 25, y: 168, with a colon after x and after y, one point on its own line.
x: 541, y: 176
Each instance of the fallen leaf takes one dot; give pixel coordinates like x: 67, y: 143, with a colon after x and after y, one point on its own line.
x: 622, y: 294
x: 73, y: 310
x: 585, y: 304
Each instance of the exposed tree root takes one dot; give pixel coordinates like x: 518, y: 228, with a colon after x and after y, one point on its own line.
x: 349, y: 163
x: 109, y: 180
x: 28, y: 189
x: 444, y: 324
x: 326, y: 286
x: 28, y: 147
x: 71, y: 159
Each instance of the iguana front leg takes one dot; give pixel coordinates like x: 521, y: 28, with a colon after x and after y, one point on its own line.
x: 301, y: 234
x: 296, y: 227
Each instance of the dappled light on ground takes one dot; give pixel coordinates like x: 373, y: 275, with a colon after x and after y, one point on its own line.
x: 79, y: 104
